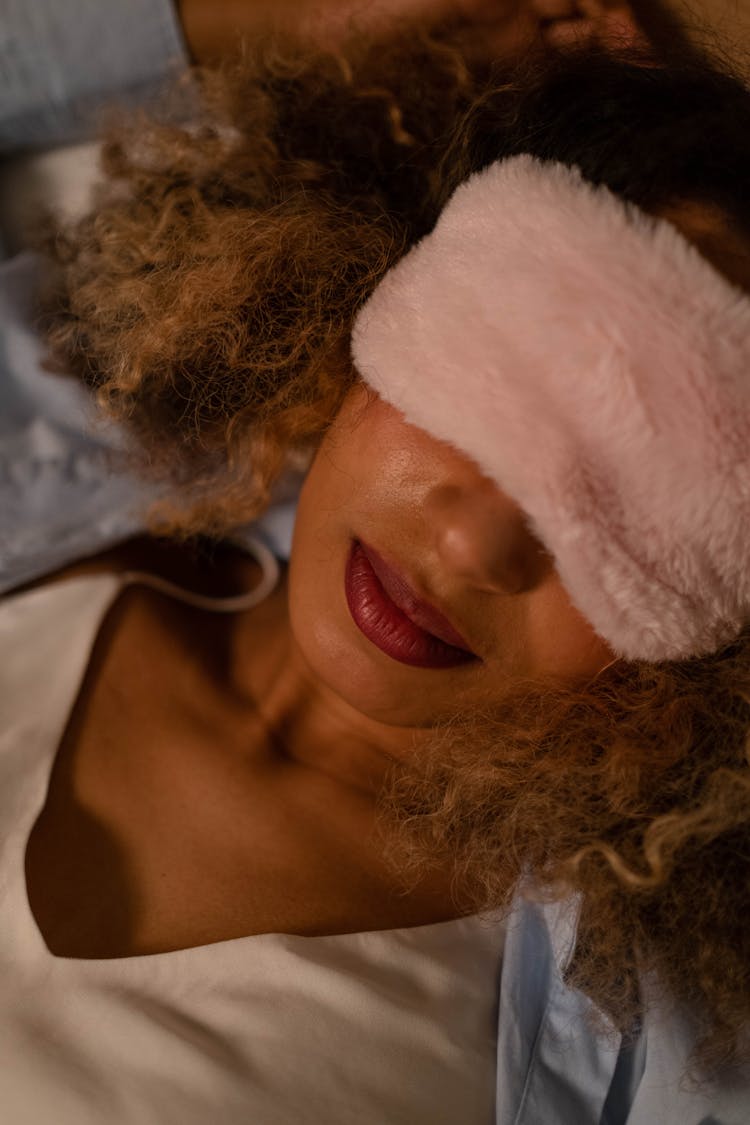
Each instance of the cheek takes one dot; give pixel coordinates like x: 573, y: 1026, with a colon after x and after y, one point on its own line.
x: 561, y: 642
x: 371, y: 470
x: 370, y: 477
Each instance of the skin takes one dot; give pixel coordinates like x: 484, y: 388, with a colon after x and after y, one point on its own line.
x: 500, y: 27
x: 247, y: 802
x: 719, y: 27
x: 212, y: 29
x: 464, y: 547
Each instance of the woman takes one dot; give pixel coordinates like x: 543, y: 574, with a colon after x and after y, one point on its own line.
x: 208, y: 880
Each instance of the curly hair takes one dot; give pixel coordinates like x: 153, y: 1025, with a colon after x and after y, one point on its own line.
x: 208, y: 301
x: 208, y: 298
x: 633, y: 792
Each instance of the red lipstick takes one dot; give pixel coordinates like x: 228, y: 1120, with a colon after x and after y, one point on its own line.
x: 394, y: 619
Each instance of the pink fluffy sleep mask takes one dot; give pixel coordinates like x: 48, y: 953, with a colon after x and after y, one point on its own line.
x: 597, y: 368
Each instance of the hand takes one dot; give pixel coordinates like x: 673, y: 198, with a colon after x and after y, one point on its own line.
x: 564, y: 23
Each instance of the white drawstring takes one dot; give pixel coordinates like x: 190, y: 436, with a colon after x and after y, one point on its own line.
x: 236, y: 604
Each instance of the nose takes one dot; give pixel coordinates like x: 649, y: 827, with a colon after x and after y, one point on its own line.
x: 483, y: 538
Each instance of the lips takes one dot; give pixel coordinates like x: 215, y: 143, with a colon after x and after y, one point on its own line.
x: 388, y: 612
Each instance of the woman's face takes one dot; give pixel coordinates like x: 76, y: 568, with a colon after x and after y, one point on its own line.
x: 405, y: 556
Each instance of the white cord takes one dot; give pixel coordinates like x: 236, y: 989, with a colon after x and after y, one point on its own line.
x: 270, y: 578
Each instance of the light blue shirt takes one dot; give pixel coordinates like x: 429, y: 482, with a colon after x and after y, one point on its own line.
x: 61, y: 61
x: 555, y: 1065
x: 65, y: 492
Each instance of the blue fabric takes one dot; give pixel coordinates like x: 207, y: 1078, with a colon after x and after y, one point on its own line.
x: 547, y: 1054
x: 65, y: 492
x: 558, y: 1066
x: 64, y: 489
x: 64, y: 486
x: 61, y: 61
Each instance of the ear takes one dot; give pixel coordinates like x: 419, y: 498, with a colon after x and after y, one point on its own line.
x: 609, y: 22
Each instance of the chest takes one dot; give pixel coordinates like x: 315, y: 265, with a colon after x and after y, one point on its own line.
x: 169, y: 825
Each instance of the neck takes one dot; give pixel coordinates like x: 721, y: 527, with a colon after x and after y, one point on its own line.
x: 300, y: 719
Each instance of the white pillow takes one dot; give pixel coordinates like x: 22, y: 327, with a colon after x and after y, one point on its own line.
x: 60, y: 178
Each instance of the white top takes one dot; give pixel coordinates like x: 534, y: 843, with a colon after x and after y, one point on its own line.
x: 395, y: 1027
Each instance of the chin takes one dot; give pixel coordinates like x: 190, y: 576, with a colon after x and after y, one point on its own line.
x: 363, y: 678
